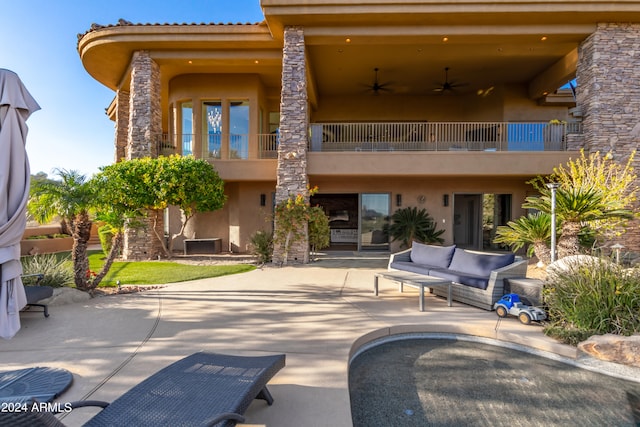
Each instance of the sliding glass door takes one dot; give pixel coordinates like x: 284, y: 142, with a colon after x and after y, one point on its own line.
x: 374, y: 221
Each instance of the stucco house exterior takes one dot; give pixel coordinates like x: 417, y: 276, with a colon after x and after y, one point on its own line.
x: 382, y: 104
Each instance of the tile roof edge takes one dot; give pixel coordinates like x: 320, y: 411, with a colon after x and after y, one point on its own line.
x: 124, y: 23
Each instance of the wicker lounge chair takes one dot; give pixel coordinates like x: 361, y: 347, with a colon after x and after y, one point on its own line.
x: 202, y: 389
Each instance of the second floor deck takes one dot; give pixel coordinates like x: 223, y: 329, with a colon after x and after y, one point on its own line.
x: 381, y: 137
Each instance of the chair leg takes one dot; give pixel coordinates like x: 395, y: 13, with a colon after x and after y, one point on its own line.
x: 265, y: 395
x: 44, y: 307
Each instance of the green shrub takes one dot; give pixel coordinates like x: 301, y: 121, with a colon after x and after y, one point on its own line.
x: 106, y: 234
x: 593, y: 298
x: 57, y: 271
x: 262, y: 246
x: 319, y: 231
x: 409, y: 224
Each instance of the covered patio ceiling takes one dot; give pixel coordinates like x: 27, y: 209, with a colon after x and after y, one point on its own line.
x: 417, y: 67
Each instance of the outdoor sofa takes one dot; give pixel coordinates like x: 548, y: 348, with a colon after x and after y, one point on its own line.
x: 477, y: 277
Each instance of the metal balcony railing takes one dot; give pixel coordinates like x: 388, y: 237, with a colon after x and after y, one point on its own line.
x: 444, y: 136
x: 415, y: 136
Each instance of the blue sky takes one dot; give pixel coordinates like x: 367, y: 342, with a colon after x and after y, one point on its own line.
x: 39, y: 39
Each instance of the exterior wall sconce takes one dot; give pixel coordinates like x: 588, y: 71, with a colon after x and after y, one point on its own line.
x: 263, y: 199
x: 445, y: 200
x: 398, y: 200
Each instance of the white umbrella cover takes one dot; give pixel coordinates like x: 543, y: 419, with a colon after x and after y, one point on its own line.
x: 16, y: 105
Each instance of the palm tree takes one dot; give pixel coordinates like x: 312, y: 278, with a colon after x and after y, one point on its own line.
x: 411, y: 224
x: 575, y: 208
x: 70, y: 199
x: 533, y: 231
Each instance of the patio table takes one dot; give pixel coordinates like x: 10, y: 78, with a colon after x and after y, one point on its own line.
x: 418, y: 281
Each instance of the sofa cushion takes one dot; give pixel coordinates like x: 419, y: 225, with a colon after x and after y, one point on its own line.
x: 467, y: 279
x: 411, y: 267
x: 436, y: 256
x: 478, y: 264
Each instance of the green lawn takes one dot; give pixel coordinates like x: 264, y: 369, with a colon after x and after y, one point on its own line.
x: 158, y: 272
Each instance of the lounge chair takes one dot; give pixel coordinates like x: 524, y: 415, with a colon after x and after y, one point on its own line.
x: 36, y: 293
x: 202, y: 389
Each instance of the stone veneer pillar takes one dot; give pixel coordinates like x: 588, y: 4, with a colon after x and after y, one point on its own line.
x: 294, y: 124
x: 608, y: 91
x: 122, y: 125
x: 144, y: 127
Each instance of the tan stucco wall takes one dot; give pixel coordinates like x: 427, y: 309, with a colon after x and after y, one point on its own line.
x: 238, y: 220
x: 433, y: 190
x: 243, y: 207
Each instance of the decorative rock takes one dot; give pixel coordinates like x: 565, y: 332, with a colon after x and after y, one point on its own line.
x: 613, y: 348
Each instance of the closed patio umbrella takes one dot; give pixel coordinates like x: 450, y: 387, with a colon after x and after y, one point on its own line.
x: 16, y: 105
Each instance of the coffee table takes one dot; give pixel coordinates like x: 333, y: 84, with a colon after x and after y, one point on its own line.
x: 415, y: 280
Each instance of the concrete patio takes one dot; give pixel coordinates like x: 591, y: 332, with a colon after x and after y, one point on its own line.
x: 316, y: 314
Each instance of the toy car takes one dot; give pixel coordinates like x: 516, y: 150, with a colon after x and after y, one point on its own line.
x: 518, y: 306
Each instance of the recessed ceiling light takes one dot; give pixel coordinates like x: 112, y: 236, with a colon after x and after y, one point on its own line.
x: 348, y: 40
x: 445, y: 39
x: 256, y: 62
x: 543, y: 38
x: 190, y: 62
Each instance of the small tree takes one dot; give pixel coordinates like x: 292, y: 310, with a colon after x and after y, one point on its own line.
x: 532, y: 231
x: 291, y: 218
x: 296, y: 219
x: 409, y: 224
x: 319, y: 231
x: 191, y: 184
x: 71, y: 199
x: 594, y: 192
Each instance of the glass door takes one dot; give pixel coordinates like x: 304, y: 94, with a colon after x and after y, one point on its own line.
x: 374, y: 221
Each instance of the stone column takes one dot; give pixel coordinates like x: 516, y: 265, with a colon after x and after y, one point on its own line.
x: 145, y: 127
x: 608, y: 91
x: 122, y: 125
x: 145, y: 114
x: 294, y: 124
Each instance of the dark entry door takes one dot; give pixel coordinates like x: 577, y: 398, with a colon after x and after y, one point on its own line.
x: 467, y: 221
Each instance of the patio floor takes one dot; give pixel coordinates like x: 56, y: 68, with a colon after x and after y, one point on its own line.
x: 313, y: 313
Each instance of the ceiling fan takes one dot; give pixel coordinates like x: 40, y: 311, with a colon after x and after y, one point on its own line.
x: 378, y: 87
x: 448, y: 86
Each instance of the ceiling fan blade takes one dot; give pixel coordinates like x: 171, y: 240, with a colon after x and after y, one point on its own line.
x: 378, y: 87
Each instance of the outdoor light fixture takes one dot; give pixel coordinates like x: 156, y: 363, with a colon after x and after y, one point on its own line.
x: 445, y: 200
x: 263, y: 199
x: 398, y: 200
x: 553, y: 186
x: 617, y: 248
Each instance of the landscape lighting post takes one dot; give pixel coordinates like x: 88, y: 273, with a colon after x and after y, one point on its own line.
x: 553, y: 186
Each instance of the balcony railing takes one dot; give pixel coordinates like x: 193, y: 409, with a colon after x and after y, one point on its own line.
x: 417, y: 136
x: 445, y: 136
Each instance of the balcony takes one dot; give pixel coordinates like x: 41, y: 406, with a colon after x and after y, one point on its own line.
x: 381, y: 137
x: 446, y: 136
